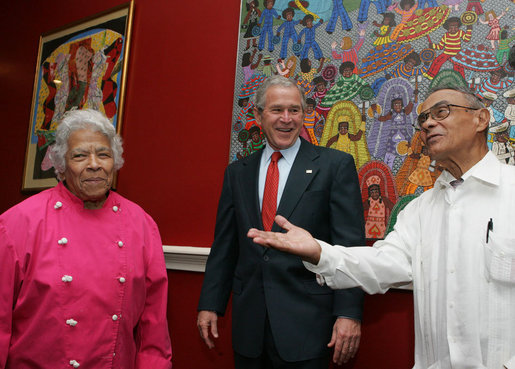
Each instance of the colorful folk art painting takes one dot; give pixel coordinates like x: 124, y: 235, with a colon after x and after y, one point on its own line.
x: 366, y: 66
x: 81, y: 73
x: 378, y: 194
x: 80, y: 66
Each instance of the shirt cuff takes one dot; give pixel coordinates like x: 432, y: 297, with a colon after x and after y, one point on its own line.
x: 510, y: 364
x: 326, y: 267
x: 346, y: 317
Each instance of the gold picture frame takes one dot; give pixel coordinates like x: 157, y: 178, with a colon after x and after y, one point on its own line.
x: 79, y: 65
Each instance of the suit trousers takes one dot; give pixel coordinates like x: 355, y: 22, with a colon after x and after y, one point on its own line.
x: 270, y: 359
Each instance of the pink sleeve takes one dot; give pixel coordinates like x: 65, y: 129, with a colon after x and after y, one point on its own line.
x: 9, y: 274
x: 152, y: 337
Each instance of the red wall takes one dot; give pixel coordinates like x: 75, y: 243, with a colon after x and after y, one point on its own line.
x: 387, y: 334
x: 176, y: 132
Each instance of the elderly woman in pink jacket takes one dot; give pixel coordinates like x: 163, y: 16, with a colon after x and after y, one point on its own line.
x: 83, y: 280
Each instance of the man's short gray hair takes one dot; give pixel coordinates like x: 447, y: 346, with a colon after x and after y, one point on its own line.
x: 83, y: 119
x: 474, y: 101
x: 260, y: 96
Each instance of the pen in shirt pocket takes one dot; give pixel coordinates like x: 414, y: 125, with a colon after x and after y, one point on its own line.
x: 489, y: 227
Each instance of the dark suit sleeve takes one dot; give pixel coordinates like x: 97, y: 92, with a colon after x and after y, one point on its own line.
x: 221, y: 262
x: 347, y: 228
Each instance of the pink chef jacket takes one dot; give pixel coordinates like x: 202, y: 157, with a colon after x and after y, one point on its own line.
x: 81, y: 288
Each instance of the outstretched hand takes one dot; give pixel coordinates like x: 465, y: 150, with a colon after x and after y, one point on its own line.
x: 295, y: 241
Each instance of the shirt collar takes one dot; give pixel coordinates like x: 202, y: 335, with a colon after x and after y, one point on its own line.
x: 486, y: 170
x: 64, y: 194
x: 289, y: 154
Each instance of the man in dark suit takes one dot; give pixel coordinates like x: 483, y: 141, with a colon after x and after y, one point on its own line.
x: 281, y: 316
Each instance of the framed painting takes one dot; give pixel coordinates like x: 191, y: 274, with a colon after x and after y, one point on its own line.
x: 80, y: 65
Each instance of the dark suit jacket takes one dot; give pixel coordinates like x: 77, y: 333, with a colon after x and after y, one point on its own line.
x: 326, y: 202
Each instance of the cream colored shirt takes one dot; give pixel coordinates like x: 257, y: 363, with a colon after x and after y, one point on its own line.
x: 463, y: 286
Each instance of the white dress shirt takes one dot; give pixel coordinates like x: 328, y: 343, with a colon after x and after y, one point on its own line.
x: 463, y: 286
x: 284, y: 165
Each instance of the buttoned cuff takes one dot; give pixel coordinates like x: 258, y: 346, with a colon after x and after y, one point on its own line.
x: 326, y: 267
x: 510, y: 364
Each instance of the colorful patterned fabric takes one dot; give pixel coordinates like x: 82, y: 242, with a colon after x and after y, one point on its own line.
x: 310, y: 42
x: 399, y: 71
x: 350, y: 54
x: 310, y: 119
x: 365, y: 4
x: 338, y: 11
x: 451, y: 43
x: 343, y: 89
x: 308, y: 77
x: 488, y: 86
x: 383, y: 37
x: 477, y: 58
x: 382, y: 57
x: 422, y: 23
x: 267, y: 20
x: 289, y: 33
x: 348, y: 111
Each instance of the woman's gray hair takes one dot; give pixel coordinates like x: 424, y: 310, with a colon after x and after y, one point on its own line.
x: 260, y: 96
x: 83, y: 119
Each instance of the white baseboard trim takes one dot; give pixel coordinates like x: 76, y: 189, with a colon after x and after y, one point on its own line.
x: 187, y: 258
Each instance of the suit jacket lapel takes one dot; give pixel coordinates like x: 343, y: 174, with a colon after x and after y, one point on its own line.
x: 303, y: 171
x: 249, y: 188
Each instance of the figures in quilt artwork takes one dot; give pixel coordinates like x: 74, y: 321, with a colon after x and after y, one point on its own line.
x: 365, y: 65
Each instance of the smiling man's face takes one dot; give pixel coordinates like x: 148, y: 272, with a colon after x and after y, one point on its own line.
x: 282, y: 116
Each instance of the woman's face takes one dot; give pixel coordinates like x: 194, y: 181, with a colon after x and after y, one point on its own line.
x: 453, y: 27
x: 397, y: 105
x: 89, y: 165
x: 347, y: 72
x: 410, y: 64
x: 374, y: 193
x: 496, y: 77
x: 343, y: 128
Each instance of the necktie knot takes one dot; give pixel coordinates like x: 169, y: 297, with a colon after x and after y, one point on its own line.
x: 276, y: 156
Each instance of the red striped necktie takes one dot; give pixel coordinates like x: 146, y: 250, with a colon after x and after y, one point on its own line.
x: 270, y: 193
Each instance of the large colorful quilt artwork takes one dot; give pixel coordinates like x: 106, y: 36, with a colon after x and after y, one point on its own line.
x: 365, y: 66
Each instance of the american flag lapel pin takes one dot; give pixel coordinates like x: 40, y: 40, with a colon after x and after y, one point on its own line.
x: 309, y: 171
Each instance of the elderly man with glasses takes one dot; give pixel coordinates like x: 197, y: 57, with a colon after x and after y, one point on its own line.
x: 455, y: 243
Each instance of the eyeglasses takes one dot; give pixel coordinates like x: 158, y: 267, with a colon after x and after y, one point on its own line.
x: 438, y: 112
